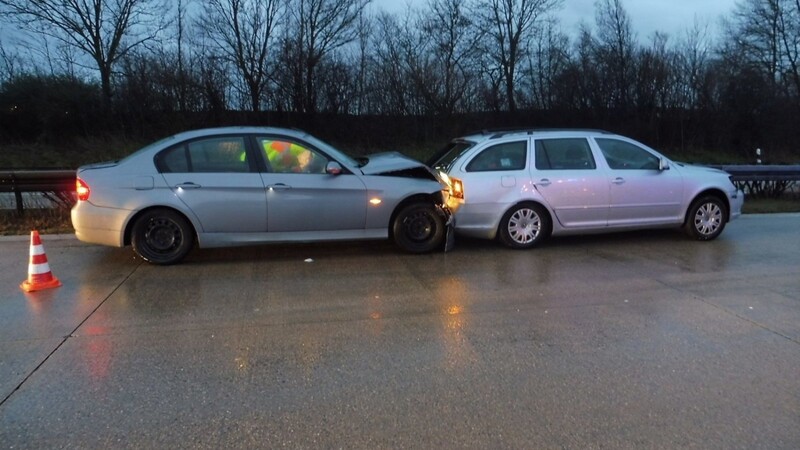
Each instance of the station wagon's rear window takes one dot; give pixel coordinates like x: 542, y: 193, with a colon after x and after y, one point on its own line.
x: 500, y: 157
x: 564, y: 154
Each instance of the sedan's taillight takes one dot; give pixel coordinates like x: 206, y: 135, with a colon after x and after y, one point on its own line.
x: 82, y: 189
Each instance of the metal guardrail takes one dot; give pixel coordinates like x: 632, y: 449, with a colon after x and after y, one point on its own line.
x: 58, y: 182
x: 752, y: 172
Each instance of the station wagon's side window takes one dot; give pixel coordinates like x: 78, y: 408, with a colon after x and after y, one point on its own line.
x: 291, y: 157
x: 501, y: 157
x: 621, y: 155
x: 564, y: 154
x: 215, y: 155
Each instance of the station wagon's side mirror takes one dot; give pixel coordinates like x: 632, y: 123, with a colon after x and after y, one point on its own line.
x: 333, y: 168
x: 663, y: 164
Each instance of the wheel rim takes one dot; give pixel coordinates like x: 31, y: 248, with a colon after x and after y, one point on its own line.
x: 163, y: 236
x: 419, y: 226
x: 524, y: 226
x: 708, y: 219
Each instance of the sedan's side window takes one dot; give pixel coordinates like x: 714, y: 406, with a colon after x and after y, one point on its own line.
x: 291, y: 157
x: 173, y: 160
x: 501, y: 157
x: 217, y: 155
x: 226, y: 154
x: 621, y: 155
x: 564, y: 154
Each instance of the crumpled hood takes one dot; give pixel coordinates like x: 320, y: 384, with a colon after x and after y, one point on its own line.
x: 388, y: 162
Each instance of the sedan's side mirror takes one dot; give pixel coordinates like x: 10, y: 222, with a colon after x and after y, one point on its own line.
x: 333, y: 168
x: 663, y: 164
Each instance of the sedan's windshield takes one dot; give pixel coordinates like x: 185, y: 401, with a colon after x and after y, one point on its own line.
x: 444, y: 158
x: 337, y: 154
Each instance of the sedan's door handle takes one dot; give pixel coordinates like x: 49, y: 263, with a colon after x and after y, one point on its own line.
x: 619, y: 180
x: 544, y: 182
x: 278, y: 187
x: 188, y: 185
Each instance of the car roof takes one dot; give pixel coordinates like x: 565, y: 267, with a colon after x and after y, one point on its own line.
x: 240, y: 130
x: 490, y: 134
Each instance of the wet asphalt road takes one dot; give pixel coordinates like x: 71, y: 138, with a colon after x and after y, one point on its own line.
x: 638, y: 340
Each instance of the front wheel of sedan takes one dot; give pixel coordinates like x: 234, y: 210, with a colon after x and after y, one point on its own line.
x: 419, y: 228
x: 162, y: 236
x: 524, y: 226
x: 705, y: 219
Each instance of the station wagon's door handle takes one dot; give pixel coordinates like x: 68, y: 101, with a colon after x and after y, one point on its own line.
x: 544, y: 182
x: 278, y: 187
x: 619, y: 180
x: 188, y: 185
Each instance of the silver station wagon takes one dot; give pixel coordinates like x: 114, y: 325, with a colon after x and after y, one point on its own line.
x: 523, y: 186
x: 238, y: 186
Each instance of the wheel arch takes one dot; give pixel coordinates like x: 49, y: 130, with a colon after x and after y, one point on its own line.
x: 433, y: 199
x: 551, y: 220
x: 713, y: 192
x: 132, y: 221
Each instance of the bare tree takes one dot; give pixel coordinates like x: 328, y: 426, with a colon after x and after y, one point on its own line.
x: 441, y: 60
x: 317, y: 28
x: 547, y: 59
x: 508, y: 25
x: 615, y: 50
x: 390, y: 84
x: 693, y: 55
x: 243, y: 32
x: 104, y: 30
x: 767, y: 33
x: 9, y: 63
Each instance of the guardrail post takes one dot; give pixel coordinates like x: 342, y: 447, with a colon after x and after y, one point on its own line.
x: 17, y: 194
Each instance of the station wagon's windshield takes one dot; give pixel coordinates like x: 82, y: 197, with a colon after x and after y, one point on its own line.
x: 444, y: 158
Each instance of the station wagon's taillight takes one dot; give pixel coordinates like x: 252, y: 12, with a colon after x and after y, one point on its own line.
x: 82, y: 189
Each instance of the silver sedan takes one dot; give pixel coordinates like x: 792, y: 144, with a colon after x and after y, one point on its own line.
x: 239, y: 186
x: 525, y: 185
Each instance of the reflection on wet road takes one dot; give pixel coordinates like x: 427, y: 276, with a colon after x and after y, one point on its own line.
x: 628, y: 340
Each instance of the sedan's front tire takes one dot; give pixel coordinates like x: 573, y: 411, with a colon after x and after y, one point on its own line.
x: 162, y: 236
x: 524, y: 226
x: 419, y: 228
x: 706, y: 218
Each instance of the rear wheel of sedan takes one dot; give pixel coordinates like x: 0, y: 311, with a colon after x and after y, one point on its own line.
x: 705, y: 219
x: 162, y: 236
x: 419, y: 228
x: 524, y: 226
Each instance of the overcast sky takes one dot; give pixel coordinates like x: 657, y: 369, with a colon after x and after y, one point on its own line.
x: 647, y: 16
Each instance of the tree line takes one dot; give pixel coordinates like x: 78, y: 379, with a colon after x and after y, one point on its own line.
x: 149, y: 67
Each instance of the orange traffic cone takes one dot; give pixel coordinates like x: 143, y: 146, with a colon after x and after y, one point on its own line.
x: 39, y: 275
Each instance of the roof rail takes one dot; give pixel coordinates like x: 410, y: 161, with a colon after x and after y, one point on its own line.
x: 503, y: 131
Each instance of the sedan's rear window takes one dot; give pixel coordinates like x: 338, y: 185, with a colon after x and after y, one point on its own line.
x: 214, y: 155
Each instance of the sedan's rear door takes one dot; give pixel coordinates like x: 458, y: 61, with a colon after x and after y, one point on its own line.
x: 217, y: 180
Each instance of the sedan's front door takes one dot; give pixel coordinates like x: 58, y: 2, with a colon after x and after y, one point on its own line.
x: 301, y: 196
